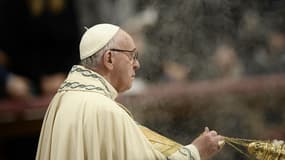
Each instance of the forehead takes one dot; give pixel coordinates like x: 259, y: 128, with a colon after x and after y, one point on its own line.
x: 123, y: 39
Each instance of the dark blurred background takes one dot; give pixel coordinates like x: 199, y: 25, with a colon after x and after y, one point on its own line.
x: 215, y: 63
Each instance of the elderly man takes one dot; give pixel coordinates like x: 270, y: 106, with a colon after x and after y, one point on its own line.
x: 83, y: 121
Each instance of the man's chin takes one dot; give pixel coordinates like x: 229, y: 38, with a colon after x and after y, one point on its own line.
x: 125, y: 89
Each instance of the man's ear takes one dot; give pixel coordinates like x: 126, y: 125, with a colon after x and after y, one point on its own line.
x: 107, y: 60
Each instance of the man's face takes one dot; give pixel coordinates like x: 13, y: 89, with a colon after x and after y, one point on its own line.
x: 125, y: 65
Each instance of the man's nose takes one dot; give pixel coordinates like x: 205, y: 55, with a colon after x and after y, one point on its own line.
x: 137, y: 64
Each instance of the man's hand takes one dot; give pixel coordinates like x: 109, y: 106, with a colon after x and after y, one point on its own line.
x: 208, y: 143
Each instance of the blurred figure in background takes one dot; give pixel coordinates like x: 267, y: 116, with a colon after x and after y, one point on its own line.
x: 272, y: 59
x: 174, y: 72
x: 12, y: 85
x: 226, y: 63
x: 40, y: 39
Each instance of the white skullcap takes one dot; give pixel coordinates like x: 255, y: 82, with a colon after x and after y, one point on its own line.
x: 95, y: 38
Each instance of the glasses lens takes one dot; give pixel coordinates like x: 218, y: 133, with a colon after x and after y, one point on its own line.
x: 136, y: 55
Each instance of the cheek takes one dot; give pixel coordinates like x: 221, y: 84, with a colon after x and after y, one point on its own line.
x: 125, y: 69
x: 123, y: 73
x: 124, y: 80
x: 126, y: 74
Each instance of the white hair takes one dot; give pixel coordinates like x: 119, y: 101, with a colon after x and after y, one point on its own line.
x: 93, y: 60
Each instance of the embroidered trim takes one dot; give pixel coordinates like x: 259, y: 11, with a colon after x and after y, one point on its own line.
x: 88, y: 73
x: 185, y: 154
x: 74, y: 85
x: 78, y: 85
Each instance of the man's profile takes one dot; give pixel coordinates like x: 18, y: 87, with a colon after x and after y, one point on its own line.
x: 83, y: 120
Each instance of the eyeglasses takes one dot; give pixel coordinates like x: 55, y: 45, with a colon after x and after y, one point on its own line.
x: 135, y: 54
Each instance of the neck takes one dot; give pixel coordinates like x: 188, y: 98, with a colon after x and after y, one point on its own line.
x: 105, y: 74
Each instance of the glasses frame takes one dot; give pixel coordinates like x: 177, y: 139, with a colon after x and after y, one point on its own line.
x: 134, y: 57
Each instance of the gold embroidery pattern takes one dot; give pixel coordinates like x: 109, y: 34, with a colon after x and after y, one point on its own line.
x: 163, y: 144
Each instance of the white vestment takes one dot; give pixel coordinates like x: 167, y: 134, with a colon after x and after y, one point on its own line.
x: 83, y: 122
